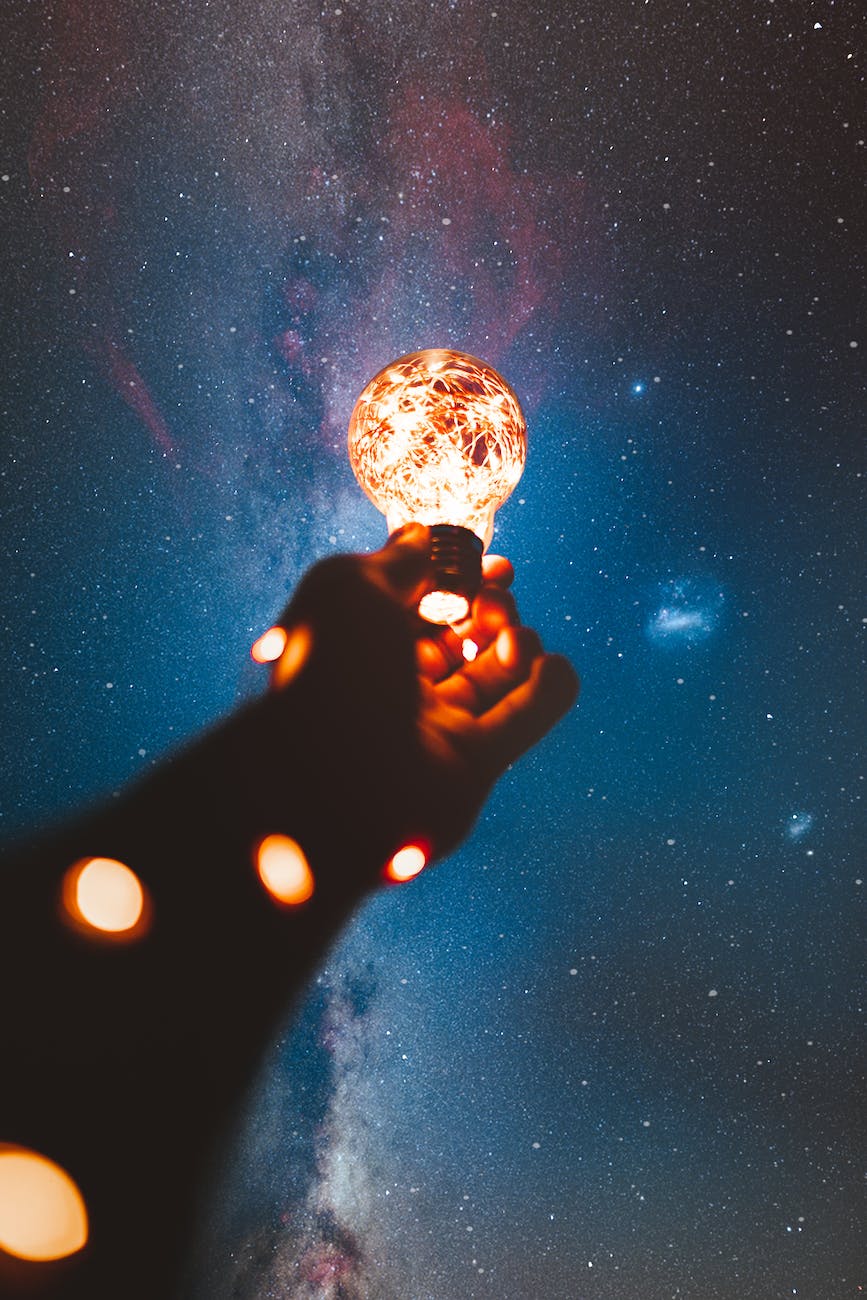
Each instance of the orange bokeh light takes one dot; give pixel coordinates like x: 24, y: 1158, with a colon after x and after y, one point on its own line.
x: 104, y: 897
x: 284, y: 870
x: 406, y: 863
x: 269, y: 646
x: 294, y: 655
x: 42, y: 1212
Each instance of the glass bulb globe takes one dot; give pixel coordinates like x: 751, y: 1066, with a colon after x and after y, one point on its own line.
x: 439, y: 438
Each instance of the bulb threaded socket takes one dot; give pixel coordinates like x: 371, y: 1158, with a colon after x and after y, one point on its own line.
x: 456, y: 556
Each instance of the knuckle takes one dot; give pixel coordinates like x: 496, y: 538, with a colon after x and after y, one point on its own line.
x: 327, y: 586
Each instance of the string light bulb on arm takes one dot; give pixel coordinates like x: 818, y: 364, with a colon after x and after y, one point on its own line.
x: 438, y: 438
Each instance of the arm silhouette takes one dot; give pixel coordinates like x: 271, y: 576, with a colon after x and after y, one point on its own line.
x: 123, y: 1061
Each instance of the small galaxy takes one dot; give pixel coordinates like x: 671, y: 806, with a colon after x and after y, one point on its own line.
x: 689, y: 611
x: 613, y: 1047
x: 799, y: 824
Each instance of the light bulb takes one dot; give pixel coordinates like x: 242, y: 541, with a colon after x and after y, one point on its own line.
x: 438, y: 438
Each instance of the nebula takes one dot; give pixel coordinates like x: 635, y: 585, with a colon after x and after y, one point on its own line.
x: 417, y: 228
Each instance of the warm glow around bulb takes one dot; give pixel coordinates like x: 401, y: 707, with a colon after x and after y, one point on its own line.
x: 269, y: 646
x: 284, y: 870
x: 406, y: 863
x: 438, y: 437
x: 42, y: 1212
x: 104, y: 896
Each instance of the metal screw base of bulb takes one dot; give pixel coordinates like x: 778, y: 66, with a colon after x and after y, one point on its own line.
x: 456, y: 553
x: 456, y: 556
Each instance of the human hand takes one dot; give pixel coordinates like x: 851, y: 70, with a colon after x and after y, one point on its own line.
x: 376, y: 733
x: 404, y: 731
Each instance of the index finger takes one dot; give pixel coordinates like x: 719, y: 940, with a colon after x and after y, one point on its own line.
x: 498, y: 570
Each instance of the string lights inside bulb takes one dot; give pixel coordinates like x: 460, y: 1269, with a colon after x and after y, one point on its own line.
x: 438, y: 438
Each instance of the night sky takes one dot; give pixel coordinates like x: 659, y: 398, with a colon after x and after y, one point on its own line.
x: 612, y: 1049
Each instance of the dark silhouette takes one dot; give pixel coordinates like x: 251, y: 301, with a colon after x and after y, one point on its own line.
x: 123, y: 1062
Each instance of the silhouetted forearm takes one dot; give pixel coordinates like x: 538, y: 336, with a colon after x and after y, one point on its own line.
x: 123, y: 1062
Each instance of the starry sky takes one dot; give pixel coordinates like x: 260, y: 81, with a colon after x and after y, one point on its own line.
x: 613, y: 1047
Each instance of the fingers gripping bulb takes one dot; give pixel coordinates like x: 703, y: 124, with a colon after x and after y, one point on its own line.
x: 438, y: 438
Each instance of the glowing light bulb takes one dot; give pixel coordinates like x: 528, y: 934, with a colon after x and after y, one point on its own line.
x: 439, y: 438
